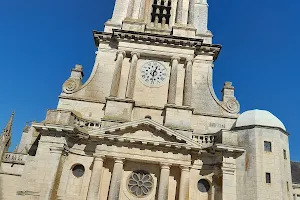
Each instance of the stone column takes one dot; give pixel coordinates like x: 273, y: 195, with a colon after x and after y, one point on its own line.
x: 187, y: 91
x: 132, y: 75
x: 164, y: 182
x: 229, y: 178
x: 173, y: 81
x: 179, y: 12
x: 184, y: 183
x: 93, y: 193
x: 115, y: 182
x: 295, y: 197
x: 117, y: 74
x: 191, y: 16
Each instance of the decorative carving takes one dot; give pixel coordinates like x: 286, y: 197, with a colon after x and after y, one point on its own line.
x: 233, y: 106
x: 70, y: 86
x: 140, y: 183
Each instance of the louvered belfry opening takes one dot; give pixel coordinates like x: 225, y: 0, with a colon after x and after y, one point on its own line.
x: 161, y: 12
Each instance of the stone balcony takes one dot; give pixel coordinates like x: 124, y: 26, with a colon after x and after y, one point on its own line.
x: 68, y: 118
x: 206, y: 140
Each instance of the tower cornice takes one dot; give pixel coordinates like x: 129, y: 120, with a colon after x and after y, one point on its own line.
x: 156, y: 39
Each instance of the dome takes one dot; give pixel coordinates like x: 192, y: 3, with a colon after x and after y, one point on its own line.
x: 259, y: 117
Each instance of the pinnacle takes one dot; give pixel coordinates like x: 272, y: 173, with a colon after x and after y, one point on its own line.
x: 7, y: 130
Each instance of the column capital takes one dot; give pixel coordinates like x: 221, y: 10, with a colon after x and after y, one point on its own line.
x: 120, y: 52
x: 175, y: 58
x: 99, y: 158
x: 135, y: 53
x: 189, y: 59
x: 119, y: 160
x: 165, y: 165
x: 185, y: 168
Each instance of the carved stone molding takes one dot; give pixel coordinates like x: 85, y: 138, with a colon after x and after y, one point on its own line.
x: 70, y: 86
x: 168, y: 40
x: 232, y: 106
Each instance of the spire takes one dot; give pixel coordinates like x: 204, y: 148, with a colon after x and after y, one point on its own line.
x: 7, y: 131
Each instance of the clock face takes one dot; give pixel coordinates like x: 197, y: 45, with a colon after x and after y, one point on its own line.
x: 153, y: 74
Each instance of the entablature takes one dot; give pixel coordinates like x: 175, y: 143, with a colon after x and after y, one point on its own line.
x: 161, y: 41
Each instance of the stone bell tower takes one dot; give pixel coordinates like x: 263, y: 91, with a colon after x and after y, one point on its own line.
x: 155, y: 58
x: 186, y: 18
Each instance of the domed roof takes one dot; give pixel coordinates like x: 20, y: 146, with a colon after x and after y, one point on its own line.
x: 259, y: 117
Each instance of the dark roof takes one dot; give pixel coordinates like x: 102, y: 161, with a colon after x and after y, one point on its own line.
x: 295, y: 172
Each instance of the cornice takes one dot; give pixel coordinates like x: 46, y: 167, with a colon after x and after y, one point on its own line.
x: 157, y: 39
x: 260, y: 126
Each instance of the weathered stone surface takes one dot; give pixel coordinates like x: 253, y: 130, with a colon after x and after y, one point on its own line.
x: 118, y: 136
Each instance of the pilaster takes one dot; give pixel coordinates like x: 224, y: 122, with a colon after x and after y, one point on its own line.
x: 117, y: 74
x: 164, y: 182
x: 47, y: 190
x: 229, y: 178
x: 191, y: 16
x: 173, y: 80
x: 132, y: 75
x: 115, y: 183
x: 187, y: 91
x: 119, y: 14
x: 184, y: 183
x: 93, y: 192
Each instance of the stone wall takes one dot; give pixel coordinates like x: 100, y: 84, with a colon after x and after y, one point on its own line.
x: 256, y: 162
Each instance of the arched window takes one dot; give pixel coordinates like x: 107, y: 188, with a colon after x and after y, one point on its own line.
x: 161, y: 12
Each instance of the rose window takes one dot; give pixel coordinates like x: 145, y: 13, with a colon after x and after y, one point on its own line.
x: 140, y: 183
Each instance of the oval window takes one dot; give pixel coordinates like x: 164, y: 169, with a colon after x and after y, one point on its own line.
x: 203, y: 185
x: 78, y: 171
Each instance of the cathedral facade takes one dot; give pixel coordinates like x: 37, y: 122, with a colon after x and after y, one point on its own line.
x: 147, y: 124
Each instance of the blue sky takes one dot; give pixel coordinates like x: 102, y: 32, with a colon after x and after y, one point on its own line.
x: 42, y: 40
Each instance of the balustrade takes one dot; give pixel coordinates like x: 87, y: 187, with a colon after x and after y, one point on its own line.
x: 204, y: 139
x: 14, y: 158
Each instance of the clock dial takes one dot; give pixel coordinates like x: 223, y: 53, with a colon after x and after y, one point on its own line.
x: 153, y: 74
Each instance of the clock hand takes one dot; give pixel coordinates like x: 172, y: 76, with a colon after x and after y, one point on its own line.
x: 154, y: 72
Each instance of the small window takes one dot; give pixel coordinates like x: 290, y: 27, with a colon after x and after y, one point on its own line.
x: 78, y: 170
x: 284, y: 154
x: 287, y: 185
x: 268, y: 178
x: 203, y: 185
x: 268, y: 146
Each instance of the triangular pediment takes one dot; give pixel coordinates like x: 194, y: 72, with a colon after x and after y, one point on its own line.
x: 145, y: 131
